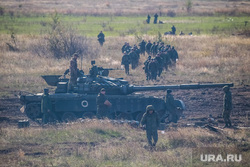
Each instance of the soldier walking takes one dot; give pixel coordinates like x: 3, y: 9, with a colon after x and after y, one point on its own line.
x: 101, y: 38
x: 102, y: 104
x: 148, y: 19
x: 73, y: 72
x: 142, y: 47
x: 126, y: 62
x: 227, y: 106
x: 151, y: 120
x: 146, y: 67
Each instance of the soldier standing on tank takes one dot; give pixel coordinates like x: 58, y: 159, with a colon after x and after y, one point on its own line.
x: 46, y: 106
x: 126, y: 62
x: 102, y: 104
x: 151, y: 120
x: 73, y: 72
x: 227, y: 106
x: 171, y: 107
x: 155, y: 18
x: 101, y: 38
x: 93, y: 70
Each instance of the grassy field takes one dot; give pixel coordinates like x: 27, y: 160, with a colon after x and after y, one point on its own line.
x: 123, y: 25
x: 95, y: 143
x: 217, y: 52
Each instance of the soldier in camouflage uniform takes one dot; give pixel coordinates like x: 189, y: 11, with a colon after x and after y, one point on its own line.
x: 93, y: 72
x: 46, y: 106
x: 171, y: 107
x: 152, y: 69
x: 151, y: 120
x: 126, y: 62
x: 148, y: 47
x: 142, y: 47
x: 227, y: 106
x: 146, y: 67
x: 102, y: 104
x: 73, y: 72
x: 155, y: 18
x: 101, y: 38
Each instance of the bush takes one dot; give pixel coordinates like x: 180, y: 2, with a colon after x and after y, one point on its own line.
x: 171, y: 13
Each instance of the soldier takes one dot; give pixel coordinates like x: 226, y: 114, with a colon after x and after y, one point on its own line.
x: 152, y: 49
x: 146, y: 67
x: 152, y: 69
x: 73, y: 72
x: 181, y: 33
x: 124, y: 47
x: 126, y: 62
x: 93, y: 70
x: 148, y: 19
x: 102, y: 104
x: 160, y: 64
x: 171, y: 107
x: 148, y: 47
x: 142, y: 47
x: 134, y: 58
x: 101, y: 38
x: 46, y: 106
x: 173, y: 30
x: 155, y: 18
x: 174, y: 56
x: 151, y: 120
x: 227, y: 106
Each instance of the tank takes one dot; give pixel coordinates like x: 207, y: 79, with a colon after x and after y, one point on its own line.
x: 127, y: 102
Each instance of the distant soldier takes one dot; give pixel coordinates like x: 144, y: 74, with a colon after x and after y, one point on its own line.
x: 160, y: 64
x: 171, y: 107
x: 73, y: 72
x: 152, y: 69
x: 93, y: 72
x: 152, y: 49
x: 146, y: 63
x: 134, y: 58
x: 126, y: 62
x: 151, y: 120
x: 124, y: 47
x: 173, y: 30
x: 174, y: 56
x: 148, y: 47
x: 101, y: 38
x: 46, y: 106
x: 148, y: 19
x: 155, y: 18
x: 102, y: 104
x: 227, y: 106
x: 142, y: 47
x: 181, y: 33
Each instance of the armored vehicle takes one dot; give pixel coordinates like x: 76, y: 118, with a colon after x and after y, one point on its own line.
x: 127, y: 103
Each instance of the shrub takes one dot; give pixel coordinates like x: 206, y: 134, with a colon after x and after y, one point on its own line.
x: 171, y: 13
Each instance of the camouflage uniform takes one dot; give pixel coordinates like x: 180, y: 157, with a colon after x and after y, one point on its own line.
x: 148, y: 47
x: 173, y: 29
x: 170, y: 105
x: 152, y: 69
x: 152, y: 123
x: 155, y: 19
x: 46, y: 106
x: 146, y: 67
x: 148, y: 19
x: 160, y: 64
x: 101, y: 37
x: 73, y: 72
x: 102, y: 109
x: 142, y: 47
x: 227, y: 106
x: 126, y: 62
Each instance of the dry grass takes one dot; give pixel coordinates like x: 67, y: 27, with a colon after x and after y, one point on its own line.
x: 120, y: 7
x: 201, y: 59
x: 96, y: 143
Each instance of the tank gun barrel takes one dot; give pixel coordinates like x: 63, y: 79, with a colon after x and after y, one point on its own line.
x: 181, y: 86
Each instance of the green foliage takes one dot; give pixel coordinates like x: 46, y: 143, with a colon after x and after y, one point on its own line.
x: 189, y: 5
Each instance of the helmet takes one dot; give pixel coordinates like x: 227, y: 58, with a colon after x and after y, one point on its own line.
x: 150, y: 107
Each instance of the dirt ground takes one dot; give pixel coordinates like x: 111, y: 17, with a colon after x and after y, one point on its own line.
x: 199, y: 104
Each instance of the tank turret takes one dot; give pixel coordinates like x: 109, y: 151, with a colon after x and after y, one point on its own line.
x: 81, y: 101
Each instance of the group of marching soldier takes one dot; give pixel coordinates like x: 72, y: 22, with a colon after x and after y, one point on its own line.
x: 160, y: 57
